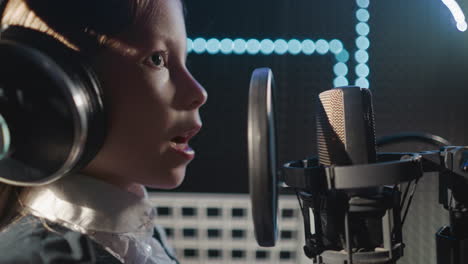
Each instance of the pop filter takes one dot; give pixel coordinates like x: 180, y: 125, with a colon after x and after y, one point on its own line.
x: 262, y: 156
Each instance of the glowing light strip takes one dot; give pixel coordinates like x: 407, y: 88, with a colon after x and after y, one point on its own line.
x: 361, y: 56
x: 457, y: 14
x: 241, y: 46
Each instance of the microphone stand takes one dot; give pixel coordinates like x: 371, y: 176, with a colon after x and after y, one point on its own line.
x: 387, y: 205
x: 356, y: 206
x: 452, y: 240
x: 313, y: 181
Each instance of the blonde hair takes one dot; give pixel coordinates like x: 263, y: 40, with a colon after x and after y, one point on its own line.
x: 84, y: 25
x: 18, y: 13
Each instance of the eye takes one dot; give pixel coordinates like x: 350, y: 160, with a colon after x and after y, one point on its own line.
x: 156, y: 60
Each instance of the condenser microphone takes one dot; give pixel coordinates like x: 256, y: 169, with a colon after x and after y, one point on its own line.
x: 345, y: 137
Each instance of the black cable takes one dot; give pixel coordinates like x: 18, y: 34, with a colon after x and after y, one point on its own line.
x: 405, y: 137
x: 409, y: 201
x: 300, y: 202
x: 413, y: 136
x: 405, y: 194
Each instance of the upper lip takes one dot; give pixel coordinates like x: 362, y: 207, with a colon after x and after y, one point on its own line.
x: 187, y: 134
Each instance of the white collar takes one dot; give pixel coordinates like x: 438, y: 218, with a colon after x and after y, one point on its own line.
x: 87, y: 204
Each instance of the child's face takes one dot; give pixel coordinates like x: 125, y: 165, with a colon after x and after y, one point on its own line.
x: 153, y: 103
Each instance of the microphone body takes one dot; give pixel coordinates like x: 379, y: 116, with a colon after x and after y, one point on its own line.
x: 346, y: 137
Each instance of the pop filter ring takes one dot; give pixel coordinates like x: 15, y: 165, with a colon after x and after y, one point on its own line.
x: 263, y: 186
x: 391, y: 168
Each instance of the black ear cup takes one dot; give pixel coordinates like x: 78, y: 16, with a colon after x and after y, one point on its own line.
x: 52, y: 107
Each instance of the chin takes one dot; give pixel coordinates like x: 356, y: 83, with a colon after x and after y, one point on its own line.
x: 167, y: 180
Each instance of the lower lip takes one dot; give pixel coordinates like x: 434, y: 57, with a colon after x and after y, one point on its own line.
x: 187, y: 152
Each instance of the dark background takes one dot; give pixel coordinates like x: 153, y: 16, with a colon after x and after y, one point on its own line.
x: 418, y: 76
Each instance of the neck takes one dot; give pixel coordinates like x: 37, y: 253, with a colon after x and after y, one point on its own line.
x: 131, y: 187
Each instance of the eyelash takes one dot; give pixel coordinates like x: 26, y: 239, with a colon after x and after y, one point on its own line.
x: 162, y: 55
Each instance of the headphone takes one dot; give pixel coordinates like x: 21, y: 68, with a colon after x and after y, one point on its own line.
x: 52, y: 118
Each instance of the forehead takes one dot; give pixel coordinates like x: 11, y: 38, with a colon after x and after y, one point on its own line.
x: 157, y: 21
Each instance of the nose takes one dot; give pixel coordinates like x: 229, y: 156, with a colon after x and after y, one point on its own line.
x: 194, y: 95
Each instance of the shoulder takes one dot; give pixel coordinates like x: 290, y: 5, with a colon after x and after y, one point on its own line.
x: 31, y: 240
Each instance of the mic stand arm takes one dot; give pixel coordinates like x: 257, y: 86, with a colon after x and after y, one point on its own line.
x: 452, y: 240
x: 452, y: 165
x: 392, y: 168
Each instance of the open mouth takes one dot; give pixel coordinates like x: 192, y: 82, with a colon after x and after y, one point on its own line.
x: 179, y: 143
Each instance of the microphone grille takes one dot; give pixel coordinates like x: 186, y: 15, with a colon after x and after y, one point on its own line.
x: 330, y: 126
x: 345, y: 127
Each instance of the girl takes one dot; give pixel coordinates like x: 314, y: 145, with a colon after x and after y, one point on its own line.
x: 137, y: 48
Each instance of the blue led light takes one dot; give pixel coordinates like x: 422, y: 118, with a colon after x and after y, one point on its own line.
x: 457, y: 14
x: 362, y: 43
x: 361, y: 56
x: 213, y: 46
x: 362, y: 82
x: 340, y: 69
x: 267, y: 46
x: 253, y: 46
x: 462, y: 26
x: 189, y: 45
x: 340, y: 81
x: 362, y: 3
x: 336, y: 46
x: 199, y: 45
x: 321, y: 46
x: 294, y: 46
x: 362, y: 29
x: 239, y: 46
x: 226, y: 46
x: 362, y: 15
x: 308, y: 46
x: 362, y: 70
x: 343, y: 56
x: 281, y: 46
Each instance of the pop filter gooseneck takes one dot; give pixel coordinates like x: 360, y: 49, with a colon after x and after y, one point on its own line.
x: 262, y: 156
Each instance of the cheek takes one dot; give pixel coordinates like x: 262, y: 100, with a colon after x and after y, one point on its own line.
x: 135, y: 96
x: 137, y: 110
x: 140, y: 122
